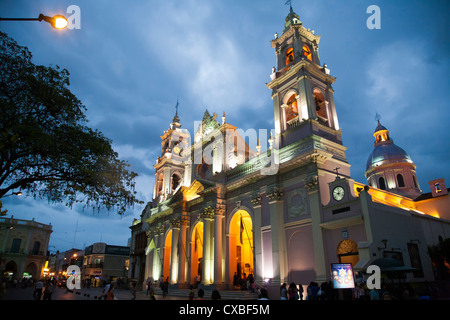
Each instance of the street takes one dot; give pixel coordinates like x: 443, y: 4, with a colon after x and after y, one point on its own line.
x: 83, y: 294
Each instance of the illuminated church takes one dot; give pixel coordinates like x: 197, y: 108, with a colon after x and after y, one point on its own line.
x: 285, y: 214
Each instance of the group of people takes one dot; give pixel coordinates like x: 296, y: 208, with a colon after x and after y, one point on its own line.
x: 313, y: 292
x: 43, y: 290
x: 243, y: 282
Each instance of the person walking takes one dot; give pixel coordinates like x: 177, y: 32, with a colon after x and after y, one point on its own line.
x: 283, y: 292
x: 110, y: 294
x: 133, y: 291
x: 48, y: 290
x: 293, y: 292
x: 38, y: 290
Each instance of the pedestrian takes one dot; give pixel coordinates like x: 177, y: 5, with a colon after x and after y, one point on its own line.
x: 251, y: 281
x: 200, y: 294
x: 110, y: 294
x: 104, y: 294
x: 264, y: 295
x: 197, y: 280
x: 235, y: 280
x: 215, y: 295
x: 312, y: 290
x: 283, y: 292
x: 148, y: 282
x: 133, y: 291
x: 374, y: 294
x: 293, y: 292
x: 191, y: 293
x: 300, y: 291
x: 38, y: 290
x: 48, y: 290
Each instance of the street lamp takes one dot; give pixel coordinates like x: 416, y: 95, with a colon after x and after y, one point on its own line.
x: 57, y: 22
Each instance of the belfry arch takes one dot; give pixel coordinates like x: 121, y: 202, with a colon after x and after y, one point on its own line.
x: 240, y: 244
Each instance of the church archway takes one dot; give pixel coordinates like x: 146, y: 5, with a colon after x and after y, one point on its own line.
x: 167, y: 255
x: 197, y: 252
x: 240, y: 244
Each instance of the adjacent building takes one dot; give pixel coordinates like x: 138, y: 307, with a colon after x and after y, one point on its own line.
x: 105, y: 262
x: 24, y: 245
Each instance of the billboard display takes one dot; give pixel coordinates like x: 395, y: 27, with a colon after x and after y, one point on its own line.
x: 342, y: 275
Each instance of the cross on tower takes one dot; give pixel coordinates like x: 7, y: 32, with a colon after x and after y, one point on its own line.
x: 337, y: 171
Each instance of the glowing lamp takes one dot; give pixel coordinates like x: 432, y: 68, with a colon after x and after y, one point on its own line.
x: 57, y: 22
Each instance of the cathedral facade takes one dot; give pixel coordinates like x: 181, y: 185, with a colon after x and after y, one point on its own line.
x: 221, y: 209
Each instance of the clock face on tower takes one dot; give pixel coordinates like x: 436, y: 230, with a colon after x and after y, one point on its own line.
x: 338, y: 193
x: 176, y: 150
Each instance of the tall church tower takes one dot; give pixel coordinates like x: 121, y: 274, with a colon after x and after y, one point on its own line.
x: 170, y: 165
x: 301, y: 87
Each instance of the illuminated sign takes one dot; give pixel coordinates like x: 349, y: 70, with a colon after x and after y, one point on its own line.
x: 342, y: 275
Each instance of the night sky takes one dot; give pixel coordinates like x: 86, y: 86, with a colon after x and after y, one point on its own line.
x: 131, y: 60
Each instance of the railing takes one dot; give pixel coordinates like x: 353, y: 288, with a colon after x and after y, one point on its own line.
x: 29, y: 223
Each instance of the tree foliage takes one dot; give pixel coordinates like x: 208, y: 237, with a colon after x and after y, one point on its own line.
x: 46, y: 147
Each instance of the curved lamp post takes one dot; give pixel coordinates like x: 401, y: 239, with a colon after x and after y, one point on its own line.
x: 57, y: 22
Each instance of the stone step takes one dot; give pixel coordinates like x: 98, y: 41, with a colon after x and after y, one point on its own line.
x: 225, y: 294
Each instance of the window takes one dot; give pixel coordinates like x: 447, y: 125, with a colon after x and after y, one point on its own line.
x: 175, y: 181
x: 437, y: 187
x: 382, y: 183
x: 15, y: 246
x: 292, y: 108
x: 36, y: 247
x: 321, y: 106
x: 401, y: 182
x: 307, y: 52
x: 289, y: 55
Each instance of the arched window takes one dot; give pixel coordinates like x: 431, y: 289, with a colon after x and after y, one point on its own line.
x: 175, y: 181
x: 292, y: 108
x: 382, y: 183
x: 307, y: 52
x: 321, y: 106
x: 401, y: 182
x: 289, y: 55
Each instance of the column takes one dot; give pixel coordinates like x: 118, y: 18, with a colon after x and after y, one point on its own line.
x: 208, y: 255
x: 161, y: 252
x: 218, y: 243
x: 156, y: 272
x: 183, y: 249
x: 312, y: 184
x: 175, y: 224
x: 279, y: 258
x: 258, y: 257
x: 148, y: 267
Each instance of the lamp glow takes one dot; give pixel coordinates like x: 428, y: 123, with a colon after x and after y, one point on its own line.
x: 60, y: 22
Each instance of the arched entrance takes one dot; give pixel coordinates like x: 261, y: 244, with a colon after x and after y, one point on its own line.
x: 197, y: 252
x: 167, y: 255
x: 347, y: 252
x: 240, y: 245
x: 10, y: 271
x: 30, y: 271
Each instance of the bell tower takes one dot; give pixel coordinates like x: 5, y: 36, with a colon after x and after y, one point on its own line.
x: 301, y: 86
x: 170, y: 165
